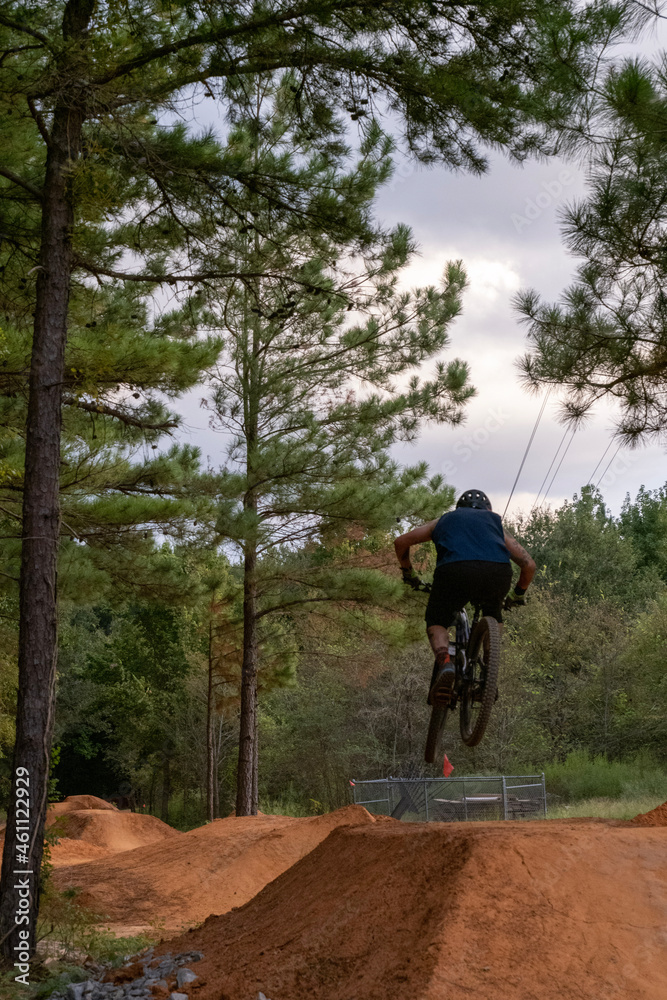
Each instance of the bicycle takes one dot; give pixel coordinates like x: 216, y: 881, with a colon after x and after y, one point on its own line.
x: 477, y: 664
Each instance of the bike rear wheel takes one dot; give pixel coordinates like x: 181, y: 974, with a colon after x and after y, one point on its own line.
x: 479, y: 685
x: 435, y: 730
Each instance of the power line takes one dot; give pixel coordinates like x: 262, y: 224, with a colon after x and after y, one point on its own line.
x: 525, y: 454
x: 592, y: 475
x: 574, y: 431
x: 539, y: 492
x: 612, y: 459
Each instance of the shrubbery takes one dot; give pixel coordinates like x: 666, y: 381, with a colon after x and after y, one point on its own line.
x: 581, y: 776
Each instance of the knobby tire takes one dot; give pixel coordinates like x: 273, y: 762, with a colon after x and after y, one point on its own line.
x: 484, y: 659
x: 435, y: 729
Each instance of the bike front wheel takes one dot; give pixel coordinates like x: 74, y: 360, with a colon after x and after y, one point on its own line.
x: 435, y: 730
x: 479, y: 685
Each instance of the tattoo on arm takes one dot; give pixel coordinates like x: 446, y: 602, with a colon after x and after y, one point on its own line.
x: 521, y: 556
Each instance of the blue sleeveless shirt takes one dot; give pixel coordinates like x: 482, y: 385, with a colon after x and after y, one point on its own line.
x: 467, y: 533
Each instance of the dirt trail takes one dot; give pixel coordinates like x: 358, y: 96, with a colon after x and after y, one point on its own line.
x: 180, y: 881
x: 497, y: 911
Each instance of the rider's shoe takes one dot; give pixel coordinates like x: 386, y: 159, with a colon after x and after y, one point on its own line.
x: 442, y: 681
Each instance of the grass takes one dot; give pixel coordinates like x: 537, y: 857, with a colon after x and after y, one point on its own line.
x: 581, y: 777
x: 68, y: 937
x: 71, y: 933
x: 288, y: 806
x: 606, y: 808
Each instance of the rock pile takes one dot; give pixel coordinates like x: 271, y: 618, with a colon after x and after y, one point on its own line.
x: 160, y: 977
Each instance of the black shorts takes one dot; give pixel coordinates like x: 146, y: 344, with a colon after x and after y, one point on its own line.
x: 477, y: 582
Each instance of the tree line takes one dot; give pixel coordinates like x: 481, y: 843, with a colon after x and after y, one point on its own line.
x: 343, y: 692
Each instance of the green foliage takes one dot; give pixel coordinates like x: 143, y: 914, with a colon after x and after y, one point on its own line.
x: 78, y: 936
x: 582, y: 551
x: 117, y: 488
x: 581, y: 776
x: 122, y: 680
x: 644, y: 521
x: 623, y: 808
x: 606, y: 336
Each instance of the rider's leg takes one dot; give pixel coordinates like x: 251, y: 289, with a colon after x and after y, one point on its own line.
x: 443, y: 675
x: 438, y: 637
x: 440, y: 614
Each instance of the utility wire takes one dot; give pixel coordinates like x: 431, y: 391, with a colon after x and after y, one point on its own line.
x: 525, y: 454
x: 612, y: 459
x: 574, y: 431
x: 539, y: 492
x: 592, y: 475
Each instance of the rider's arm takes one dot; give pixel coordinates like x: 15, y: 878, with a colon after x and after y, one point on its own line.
x: 525, y: 562
x: 415, y: 537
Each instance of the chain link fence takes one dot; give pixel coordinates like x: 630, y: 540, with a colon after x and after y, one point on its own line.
x: 454, y: 799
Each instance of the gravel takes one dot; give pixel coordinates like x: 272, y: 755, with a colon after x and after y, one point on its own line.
x: 156, y: 972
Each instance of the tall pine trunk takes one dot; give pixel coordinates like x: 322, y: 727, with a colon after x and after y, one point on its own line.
x: 246, y: 780
x: 41, y: 518
x: 166, y: 788
x: 246, y: 792
x: 210, y: 750
x: 255, y: 755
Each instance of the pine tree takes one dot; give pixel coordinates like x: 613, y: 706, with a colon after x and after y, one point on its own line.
x: 607, y: 335
x: 91, y: 87
x: 309, y: 401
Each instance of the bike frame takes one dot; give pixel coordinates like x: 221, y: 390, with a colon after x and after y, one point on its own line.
x: 463, y: 629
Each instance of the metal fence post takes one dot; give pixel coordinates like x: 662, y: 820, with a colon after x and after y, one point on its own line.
x: 426, y: 798
x: 544, y: 795
x: 505, y: 796
x: 465, y: 801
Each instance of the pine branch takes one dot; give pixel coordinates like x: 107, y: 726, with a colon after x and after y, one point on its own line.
x: 26, y: 185
x: 39, y: 121
x: 122, y: 415
x: 17, y: 26
x: 223, y: 35
x: 174, y: 279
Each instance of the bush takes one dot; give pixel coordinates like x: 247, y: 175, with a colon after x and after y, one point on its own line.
x: 581, y: 776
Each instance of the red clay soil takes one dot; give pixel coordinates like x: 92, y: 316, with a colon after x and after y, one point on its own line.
x: 491, y: 911
x: 115, y: 831
x: 73, y: 803
x: 656, y: 817
x: 180, y: 882
x: 75, y: 852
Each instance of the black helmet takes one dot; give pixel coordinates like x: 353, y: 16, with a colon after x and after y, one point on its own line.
x: 474, y: 498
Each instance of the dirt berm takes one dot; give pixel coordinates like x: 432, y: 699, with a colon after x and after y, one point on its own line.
x: 89, y: 828
x: 551, y: 910
x: 182, y: 880
x: 75, y: 803
x: 113, y: 831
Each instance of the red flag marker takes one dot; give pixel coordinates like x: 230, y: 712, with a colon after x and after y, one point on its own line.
x: 447, y: 768
x: 352, y: 782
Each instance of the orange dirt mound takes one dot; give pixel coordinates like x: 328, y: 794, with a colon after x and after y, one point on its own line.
x: 209, y: 870
x: 539, y: 911
x: 656, y: 817
x: 73, y: 803
x: 75, y: 852
x: 115, y: 831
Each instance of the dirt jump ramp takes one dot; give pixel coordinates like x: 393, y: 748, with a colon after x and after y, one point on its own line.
x: 183, y: 879
x: 487, y: 911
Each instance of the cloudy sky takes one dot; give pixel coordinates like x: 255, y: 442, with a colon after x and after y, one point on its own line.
x: 504, y: 226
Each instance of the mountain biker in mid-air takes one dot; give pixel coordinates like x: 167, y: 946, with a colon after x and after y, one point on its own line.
x: 473, y: 564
